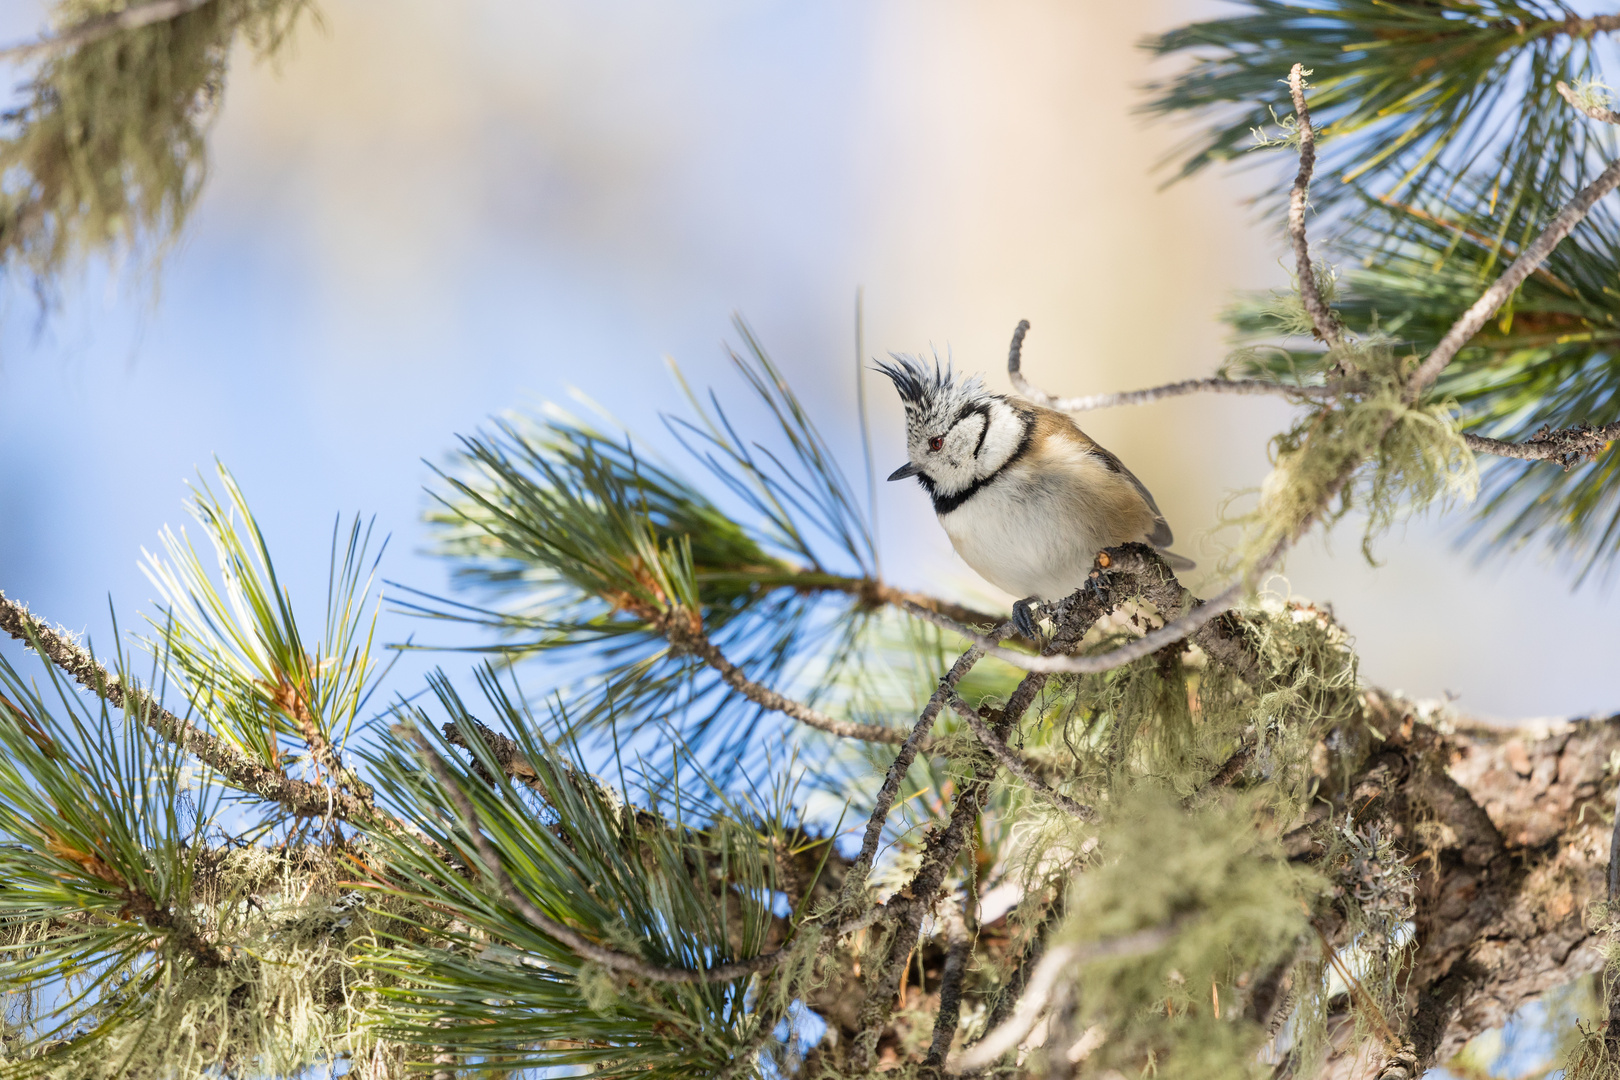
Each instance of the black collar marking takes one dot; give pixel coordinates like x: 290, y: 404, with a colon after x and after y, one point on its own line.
x: 944, y: 504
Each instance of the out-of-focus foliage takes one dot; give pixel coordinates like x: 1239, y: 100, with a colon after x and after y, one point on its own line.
x: 107, y: 151
x: 1405, y: 97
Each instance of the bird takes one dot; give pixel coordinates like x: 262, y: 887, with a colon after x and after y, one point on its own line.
x: 1026, y: 497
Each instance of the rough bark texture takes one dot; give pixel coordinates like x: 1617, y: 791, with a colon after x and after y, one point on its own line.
x: 1510, y: 831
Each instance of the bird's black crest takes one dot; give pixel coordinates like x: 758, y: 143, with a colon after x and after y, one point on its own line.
x: 917, y: 382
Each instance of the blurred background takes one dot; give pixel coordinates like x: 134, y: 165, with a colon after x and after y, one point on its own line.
x: 427, y: 213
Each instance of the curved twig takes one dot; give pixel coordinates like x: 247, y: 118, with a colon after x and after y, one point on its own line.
x: 1323, y: 319
x: 1013, y: 764
x: 695, y: 641
x: 1153, y: 393
x: 908, y: 751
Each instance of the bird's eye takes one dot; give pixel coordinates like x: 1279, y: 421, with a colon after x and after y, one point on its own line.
x: 936, y: 442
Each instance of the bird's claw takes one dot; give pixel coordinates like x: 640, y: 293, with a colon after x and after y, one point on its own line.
x: 1023, y: 616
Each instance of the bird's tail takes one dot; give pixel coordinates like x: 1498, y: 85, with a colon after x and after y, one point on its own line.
x: 1177, y: 562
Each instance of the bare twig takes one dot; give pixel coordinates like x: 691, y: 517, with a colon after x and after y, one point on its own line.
x: 1469, y: 324
x: 1154, y: 393
x: 235, y: 768
x: 1010, y: 761
x: 1568, y: 447
x: 1059, y: 962
x: 92, y: 30
x: 908, y: 751
x: 1596, y: 112
x: 1322, y: 317
x: 693, y: 640
x: 1242, y: 387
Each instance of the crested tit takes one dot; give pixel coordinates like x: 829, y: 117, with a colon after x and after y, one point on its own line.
x: 1027, y: 498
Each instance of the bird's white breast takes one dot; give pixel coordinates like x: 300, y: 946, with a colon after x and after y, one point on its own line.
x: 1035, y: 530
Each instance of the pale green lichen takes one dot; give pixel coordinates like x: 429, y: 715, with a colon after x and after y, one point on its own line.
x: 108, y: 152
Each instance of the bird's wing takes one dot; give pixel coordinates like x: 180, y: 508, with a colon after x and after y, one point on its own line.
x: 1161, y: 537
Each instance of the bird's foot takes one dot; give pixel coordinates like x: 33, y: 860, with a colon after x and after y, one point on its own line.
x: 1024, y: 614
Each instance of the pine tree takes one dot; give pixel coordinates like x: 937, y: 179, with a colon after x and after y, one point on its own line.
x: 781, y: 817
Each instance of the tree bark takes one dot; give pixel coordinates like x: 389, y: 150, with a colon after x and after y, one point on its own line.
x: 1510, y: 828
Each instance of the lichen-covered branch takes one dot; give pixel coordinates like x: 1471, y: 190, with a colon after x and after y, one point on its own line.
x: 1009, y: 761
x: 298, y: 796
x: 1567, y: 447
x: 1506, y: 827
x: 1326, y: 324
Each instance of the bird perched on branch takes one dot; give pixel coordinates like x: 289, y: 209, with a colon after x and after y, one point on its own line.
x: 1027, y: 498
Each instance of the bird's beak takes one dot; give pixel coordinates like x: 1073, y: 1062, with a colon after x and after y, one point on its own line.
x: 908, y: 469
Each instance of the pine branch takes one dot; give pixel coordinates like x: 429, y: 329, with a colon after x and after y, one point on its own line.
x: 687, y: 638
x: 1494, y: 297
x: 272, y: 785
x: 1169, y: 634
x: 581, y: 945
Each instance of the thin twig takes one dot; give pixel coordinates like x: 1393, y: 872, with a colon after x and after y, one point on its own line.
x: 1242, y: 387
x: 1322, y: 316
x: 959, y: 943
x: 1059, y: 961
x: 1463, y: 330
x: 92, y: 30
x: 1010, y: 761
x: 1155, y: 393
x: 908, y: 751
x: 943, y: 847
x: 695, y: 641
x: 1568, y: 447
x: 235, y: 768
